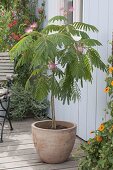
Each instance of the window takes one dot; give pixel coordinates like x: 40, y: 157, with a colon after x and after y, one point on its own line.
x: 74, y: 10
x: 68, y: 9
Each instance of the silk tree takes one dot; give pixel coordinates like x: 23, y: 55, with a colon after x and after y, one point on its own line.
x: 69, y: 54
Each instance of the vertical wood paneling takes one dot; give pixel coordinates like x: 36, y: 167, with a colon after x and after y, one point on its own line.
x: 100, y: 15
x: 53, y: 8
x: 92, y: 90
x: 102, y: 37
x: 67, y: 112
x: 82, y: 124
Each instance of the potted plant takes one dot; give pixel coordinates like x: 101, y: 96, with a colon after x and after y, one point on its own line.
x: 68, y: 53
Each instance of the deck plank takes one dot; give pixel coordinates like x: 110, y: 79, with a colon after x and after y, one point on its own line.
x: 18, y: 158
x: 17, y: 152
x: 41, y: 166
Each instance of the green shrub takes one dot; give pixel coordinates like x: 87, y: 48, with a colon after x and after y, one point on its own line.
x: 99, y: 150
x: 24, y: 105
x: 16, y: 17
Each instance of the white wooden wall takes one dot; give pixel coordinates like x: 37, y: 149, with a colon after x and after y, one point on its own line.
x: 89, y: 112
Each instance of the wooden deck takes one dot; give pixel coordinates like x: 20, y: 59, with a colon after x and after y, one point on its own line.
x: 17, y: 152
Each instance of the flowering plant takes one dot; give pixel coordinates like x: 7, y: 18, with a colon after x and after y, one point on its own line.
x: 55, y: 49
x: 99, y: 150
x: 16, y: 19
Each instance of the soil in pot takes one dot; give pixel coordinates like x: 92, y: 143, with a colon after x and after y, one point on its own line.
x: 49, y: 126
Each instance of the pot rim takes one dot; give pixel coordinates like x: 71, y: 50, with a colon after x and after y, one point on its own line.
x: 56, y: 130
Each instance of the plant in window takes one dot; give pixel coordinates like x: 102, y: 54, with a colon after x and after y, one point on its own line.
x: 58, y: 64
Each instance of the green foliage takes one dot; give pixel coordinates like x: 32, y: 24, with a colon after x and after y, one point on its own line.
x: 85, y: 27
x: 60, y: 46
x: 24, y: 105
x: 99, y: 150
x: 58, y: 18
x: 16, y: 16
x: 58, y: 61
x: 109, y: 86
x: 10, y: 4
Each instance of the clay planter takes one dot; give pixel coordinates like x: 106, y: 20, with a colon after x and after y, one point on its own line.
x: 53, y: 146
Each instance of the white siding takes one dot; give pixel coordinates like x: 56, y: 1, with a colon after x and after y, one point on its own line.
x: 88, y: 113
x: 98, y: 13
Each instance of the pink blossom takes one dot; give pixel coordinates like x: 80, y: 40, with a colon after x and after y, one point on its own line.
x: 14, y: 13
x: 65, y: 13
x: 2, y: 13
x: 34, y: 25
x: 62, y: 9
x: 40, y: 10
x: 52, y: 66
x: 29, y: 30
x: 71, y: 9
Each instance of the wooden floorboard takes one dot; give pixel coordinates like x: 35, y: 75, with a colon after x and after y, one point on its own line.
x: 17, y: 152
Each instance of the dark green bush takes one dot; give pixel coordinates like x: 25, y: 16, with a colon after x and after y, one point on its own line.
x: 24, y: 105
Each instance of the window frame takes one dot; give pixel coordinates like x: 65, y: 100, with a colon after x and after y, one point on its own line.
x: 78, y: 12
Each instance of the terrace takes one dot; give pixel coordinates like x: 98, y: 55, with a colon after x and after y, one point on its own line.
x: 17, y: 152
x: 53, y: 58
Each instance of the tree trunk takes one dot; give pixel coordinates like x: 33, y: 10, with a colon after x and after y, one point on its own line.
x: 53, y: 112
x: 53, y: 106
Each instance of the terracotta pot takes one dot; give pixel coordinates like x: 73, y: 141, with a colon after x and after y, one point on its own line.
x: 53, y: 146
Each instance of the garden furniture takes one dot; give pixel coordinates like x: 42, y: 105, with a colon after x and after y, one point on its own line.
x: 6, y: 77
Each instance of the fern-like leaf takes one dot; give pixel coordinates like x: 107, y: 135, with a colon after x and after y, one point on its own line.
x: 51, y: 28
x: 84, y: 26
x: 20, y: 47
x: 90, y: 42
x: 58, y: 18
x: 95, y: 59
x: 72, y: 31
x: 76, y: 92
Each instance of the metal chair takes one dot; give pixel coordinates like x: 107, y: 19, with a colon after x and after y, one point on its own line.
x: 4, y: 110
x: 6, y: 77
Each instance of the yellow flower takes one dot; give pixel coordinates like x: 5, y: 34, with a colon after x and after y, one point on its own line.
x: 112, y: 83
x: 110, y: 69
x: 101, y: 128
x: 88, y: 142
x: 106, y: 90
x: 98, y: 138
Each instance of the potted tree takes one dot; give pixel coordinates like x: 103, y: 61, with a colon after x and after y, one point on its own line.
x: 68, y: 53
